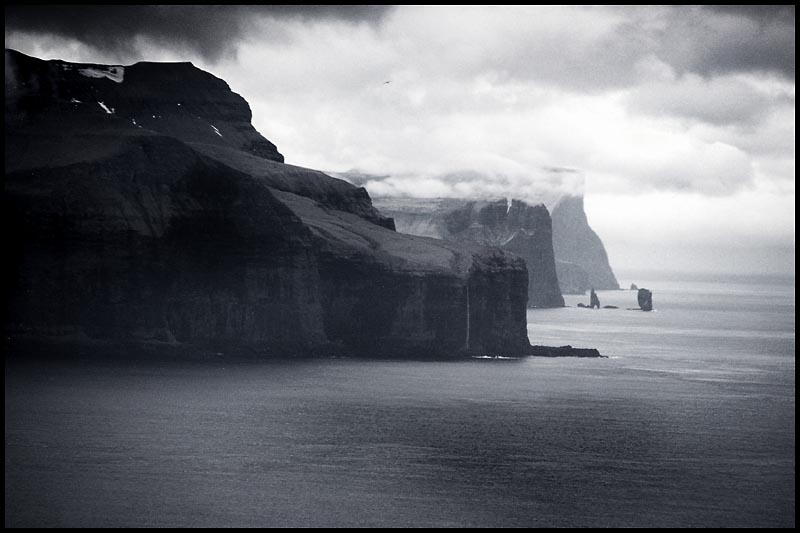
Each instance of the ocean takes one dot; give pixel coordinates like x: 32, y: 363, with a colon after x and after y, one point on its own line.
x: 690, y: 421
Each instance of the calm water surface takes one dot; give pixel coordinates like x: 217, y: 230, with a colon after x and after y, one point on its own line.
x: 689, y: 422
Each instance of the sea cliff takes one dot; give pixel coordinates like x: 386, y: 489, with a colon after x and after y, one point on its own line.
x: 511, y: 225
x: 140, y: 205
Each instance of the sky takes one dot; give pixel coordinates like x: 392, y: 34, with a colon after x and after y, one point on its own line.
x: 676, y: 123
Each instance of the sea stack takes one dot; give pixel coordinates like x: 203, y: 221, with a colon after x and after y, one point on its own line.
x: 594, y: 301
x: 645, y: 300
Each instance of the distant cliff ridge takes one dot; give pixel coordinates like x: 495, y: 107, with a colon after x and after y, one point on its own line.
x: 141, y: 205
x: 514, y: 226
x: 581, y: 262
x: 581, y: 258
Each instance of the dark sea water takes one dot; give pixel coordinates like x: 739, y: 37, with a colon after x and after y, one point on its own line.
x: 689, y: 422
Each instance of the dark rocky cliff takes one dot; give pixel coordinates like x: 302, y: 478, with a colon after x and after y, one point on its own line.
x: 141, y: 205
x: 581, y: 258
x: 525, y: 230
x: 174, y: 99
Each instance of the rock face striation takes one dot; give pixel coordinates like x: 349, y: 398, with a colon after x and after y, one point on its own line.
x: 581, y: 258
x: 141, y: 205
x: 511, y: 225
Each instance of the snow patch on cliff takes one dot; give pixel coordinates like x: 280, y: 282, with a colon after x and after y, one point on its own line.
x: 115, y: 73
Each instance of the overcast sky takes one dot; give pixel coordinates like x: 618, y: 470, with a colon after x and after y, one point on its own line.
x: 677, y: 122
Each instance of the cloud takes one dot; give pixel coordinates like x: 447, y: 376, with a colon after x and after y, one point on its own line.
x: 751, y: 231
x: 212, y: 31
x: 580, y: 48
x: 727, y: 100
x: 724, y: 39
x: 681, y: 165
x: 594, y: 48
x: 324, y: 101
x: 541, y: 185
x: 585, y: 48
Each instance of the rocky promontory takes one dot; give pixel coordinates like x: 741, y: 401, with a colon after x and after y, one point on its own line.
x: 581, y: 258
x: 141, y: 205
x: 563, y: 351
x: 645, y: 298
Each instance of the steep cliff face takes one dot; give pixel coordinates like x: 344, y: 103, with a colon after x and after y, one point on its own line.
x: 577, y: 247
x: 516, y: 227
x: 572, y: 278
x: 186, y: 227
x: 160, y: 243
x: 388, y: 292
